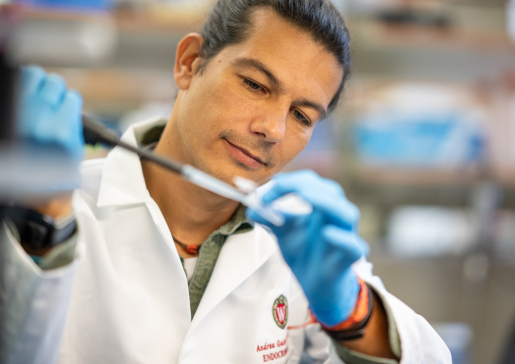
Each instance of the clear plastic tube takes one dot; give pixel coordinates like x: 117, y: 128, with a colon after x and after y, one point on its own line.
x: 221, y: 188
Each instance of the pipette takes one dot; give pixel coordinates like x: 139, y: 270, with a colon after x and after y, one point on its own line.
x: 95, y: 132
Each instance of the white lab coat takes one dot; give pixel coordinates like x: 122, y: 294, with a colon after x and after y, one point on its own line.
x: 125, y: 298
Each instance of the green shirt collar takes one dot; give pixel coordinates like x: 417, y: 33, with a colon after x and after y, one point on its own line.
x: 238, y: 223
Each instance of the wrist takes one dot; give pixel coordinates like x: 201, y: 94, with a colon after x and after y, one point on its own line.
x: 342, y: 302
x: 58, y: 207
x: 353, y: 326
x: 38, y: 233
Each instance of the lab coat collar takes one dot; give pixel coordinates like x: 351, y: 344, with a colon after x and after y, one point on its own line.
x: 122, y: 179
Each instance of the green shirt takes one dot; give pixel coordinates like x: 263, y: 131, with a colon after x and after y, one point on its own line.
x: 208, y: 255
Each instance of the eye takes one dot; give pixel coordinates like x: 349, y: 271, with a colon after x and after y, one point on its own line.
x: 253, y: 86
x: 299, y: 116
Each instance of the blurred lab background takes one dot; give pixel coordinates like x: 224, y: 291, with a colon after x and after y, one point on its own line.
x: 423, y: 142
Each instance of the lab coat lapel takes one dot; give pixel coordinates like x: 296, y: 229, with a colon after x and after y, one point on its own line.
x: 240, y: 257
x: 122, y: 181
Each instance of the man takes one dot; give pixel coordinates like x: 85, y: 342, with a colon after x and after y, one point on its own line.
x: 252, y: 88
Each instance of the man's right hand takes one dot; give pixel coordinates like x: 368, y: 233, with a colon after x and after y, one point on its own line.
x: 49, y: 113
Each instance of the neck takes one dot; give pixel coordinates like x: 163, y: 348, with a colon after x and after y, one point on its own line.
x: 191, y: 212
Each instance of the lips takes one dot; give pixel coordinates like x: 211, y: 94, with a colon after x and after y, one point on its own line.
x: 244, y: 156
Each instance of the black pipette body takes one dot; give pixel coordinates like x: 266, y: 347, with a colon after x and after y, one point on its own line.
x: 94, y: 133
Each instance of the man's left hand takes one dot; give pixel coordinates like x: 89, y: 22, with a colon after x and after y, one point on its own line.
x: 319, y: 247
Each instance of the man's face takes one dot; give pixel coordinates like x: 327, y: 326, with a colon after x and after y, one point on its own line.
x: 254, y: 106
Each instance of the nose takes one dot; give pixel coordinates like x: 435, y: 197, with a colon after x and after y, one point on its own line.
x: 270, y: 124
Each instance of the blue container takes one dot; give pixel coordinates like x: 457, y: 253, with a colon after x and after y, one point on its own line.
x: 69, y: 4
x: 418, y: 140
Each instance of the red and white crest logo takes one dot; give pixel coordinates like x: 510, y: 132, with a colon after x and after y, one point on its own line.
x: 280, y: 311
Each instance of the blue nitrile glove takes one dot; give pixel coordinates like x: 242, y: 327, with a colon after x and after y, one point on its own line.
x: 49, y: 113
x: 321, y: 246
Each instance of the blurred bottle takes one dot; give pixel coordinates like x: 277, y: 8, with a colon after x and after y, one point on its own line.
x: 458, y: 338
x: 510, y: 13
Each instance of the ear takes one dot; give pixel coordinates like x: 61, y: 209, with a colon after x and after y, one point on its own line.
x: 187, y: 59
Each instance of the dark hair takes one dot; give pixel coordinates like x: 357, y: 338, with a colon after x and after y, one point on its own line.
x: 230, y: 20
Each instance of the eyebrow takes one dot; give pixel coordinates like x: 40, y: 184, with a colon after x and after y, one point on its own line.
x: 258, y: 65
x: 254, y: 63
